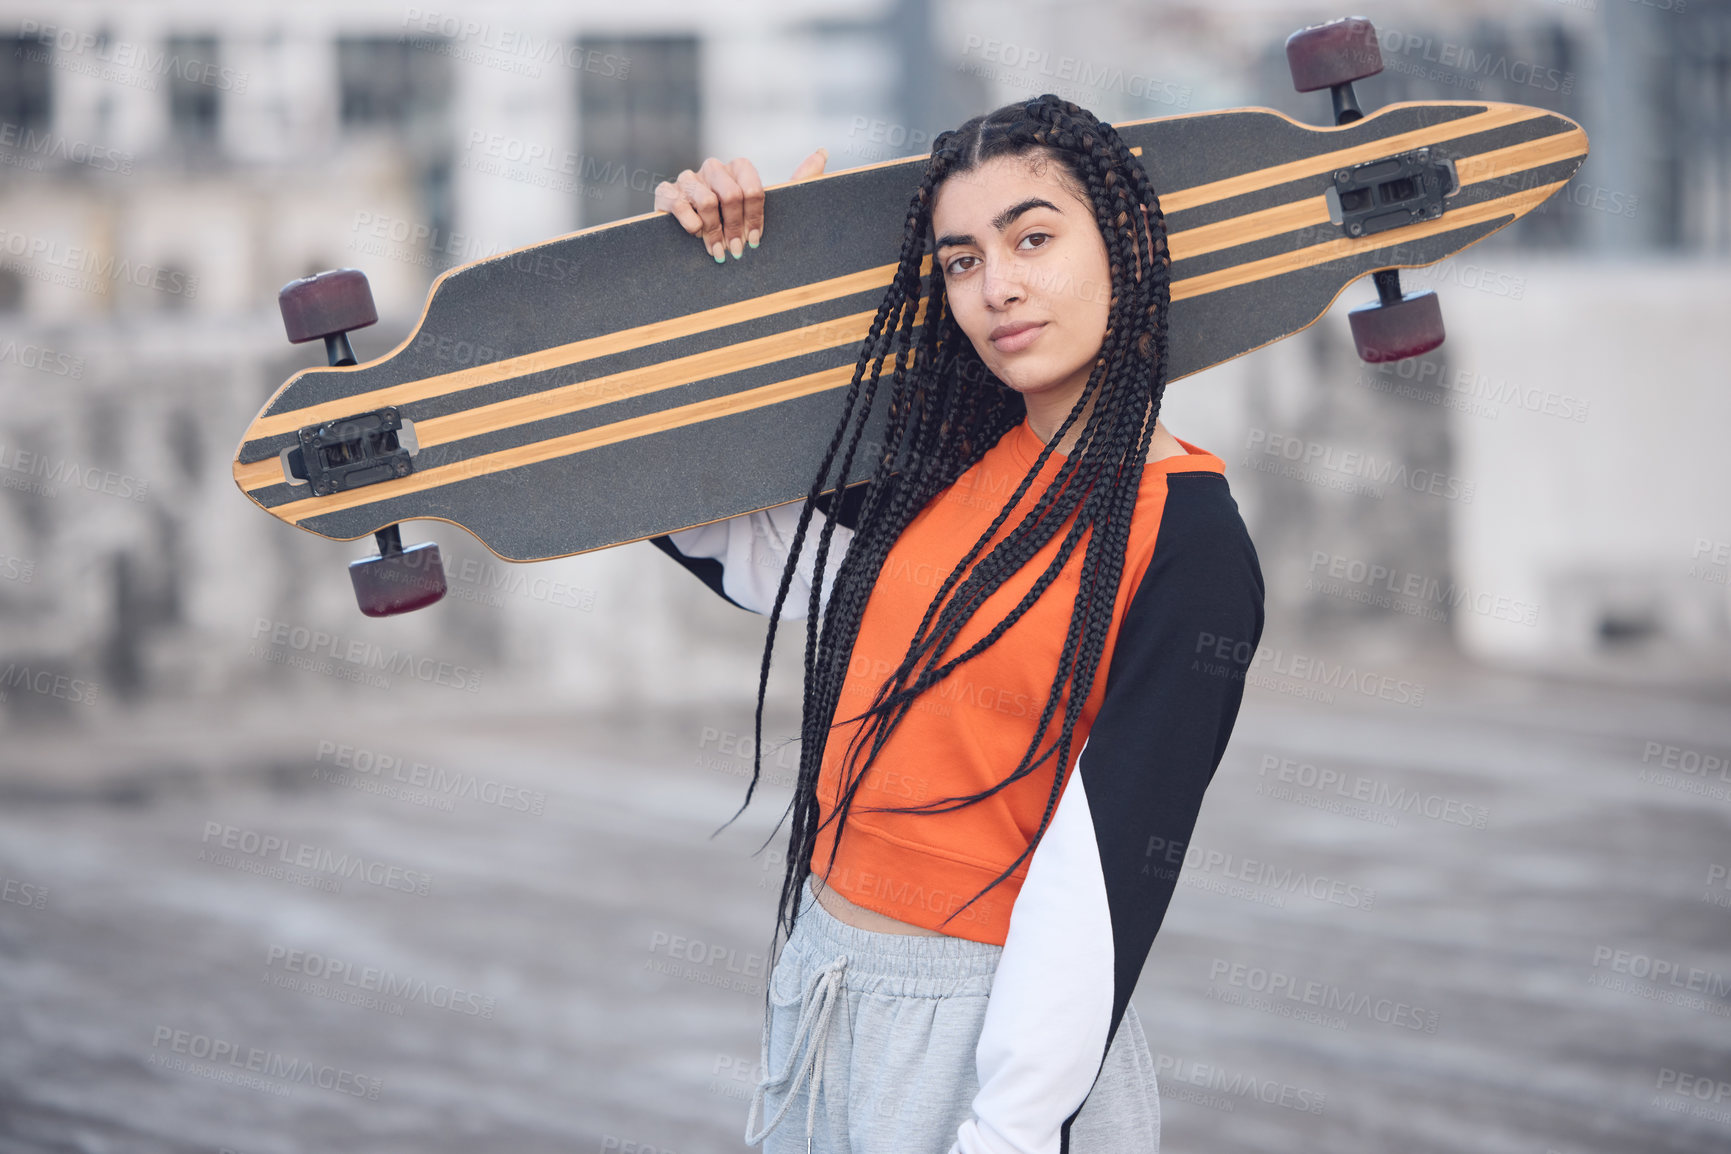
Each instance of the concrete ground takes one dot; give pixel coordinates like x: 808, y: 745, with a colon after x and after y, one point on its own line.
x: 1495, y: 920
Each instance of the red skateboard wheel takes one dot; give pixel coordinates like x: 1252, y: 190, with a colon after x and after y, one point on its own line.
x: 398, y: 582
x: 326, y: 304
x: 1331, y: 54
x: 1398, y: 329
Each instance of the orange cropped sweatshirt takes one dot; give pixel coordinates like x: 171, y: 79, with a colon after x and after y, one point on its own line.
x: 1078, y: 918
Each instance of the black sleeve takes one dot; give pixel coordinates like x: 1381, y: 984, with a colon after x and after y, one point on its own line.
x: 1103, y: 874
x: 707, y: 569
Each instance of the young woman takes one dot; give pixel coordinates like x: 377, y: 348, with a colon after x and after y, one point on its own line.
x: 1020, y: 673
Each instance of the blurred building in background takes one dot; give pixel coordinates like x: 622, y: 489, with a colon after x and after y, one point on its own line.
x: 165, y: 168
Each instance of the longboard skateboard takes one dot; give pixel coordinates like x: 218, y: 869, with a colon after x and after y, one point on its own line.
x: 616, y: 383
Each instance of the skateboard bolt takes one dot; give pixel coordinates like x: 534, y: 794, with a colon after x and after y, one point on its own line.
x: 322, y: 488
x: 1355, y: 229
x: 1342, y: 177
x: 401, y: 468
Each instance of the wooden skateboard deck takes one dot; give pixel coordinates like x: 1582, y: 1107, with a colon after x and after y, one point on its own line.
x: 617, y: 383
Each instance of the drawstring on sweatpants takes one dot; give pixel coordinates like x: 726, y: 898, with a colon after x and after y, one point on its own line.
x: 817, y: 1006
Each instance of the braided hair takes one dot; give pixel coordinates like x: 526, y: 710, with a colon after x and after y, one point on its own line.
x: 945, y: 410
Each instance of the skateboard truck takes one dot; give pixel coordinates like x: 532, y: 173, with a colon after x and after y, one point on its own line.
x: 1390, y: 193
x: 358, y: 450
x: 353, y: 451
x: 1382, y: 194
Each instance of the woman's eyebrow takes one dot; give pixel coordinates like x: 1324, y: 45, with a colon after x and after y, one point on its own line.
x: 1000, y: 222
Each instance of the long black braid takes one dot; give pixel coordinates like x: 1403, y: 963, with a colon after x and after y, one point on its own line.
x: 944, y: 411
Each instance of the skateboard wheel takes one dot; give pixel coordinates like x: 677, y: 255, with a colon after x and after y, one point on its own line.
x: 326, y: 304
x: 398, y: 582
x: 1332, y: 54
x: 1395, y: 330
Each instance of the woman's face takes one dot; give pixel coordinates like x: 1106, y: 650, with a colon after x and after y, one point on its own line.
x: 1026, y: 273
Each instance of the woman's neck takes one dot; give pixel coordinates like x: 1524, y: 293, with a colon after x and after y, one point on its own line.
x: 1045, y: 423
x: 1046, y: 417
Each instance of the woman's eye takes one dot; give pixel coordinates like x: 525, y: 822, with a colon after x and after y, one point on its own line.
x: 957, y: 265
x: 1039, y: 239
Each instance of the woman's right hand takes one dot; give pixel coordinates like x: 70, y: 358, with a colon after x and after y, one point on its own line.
x: 723, y: 203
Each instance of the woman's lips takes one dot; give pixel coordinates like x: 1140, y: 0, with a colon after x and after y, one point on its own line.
x: 1018, y: 340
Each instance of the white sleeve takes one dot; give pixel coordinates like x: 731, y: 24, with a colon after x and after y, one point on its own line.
x: 1050, y: 1009
x: 1102, y: 877
x: 752, y: 550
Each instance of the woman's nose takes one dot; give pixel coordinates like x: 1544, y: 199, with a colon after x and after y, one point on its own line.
x: 1003, y: 283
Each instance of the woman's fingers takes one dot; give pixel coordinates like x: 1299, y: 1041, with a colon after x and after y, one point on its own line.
x: 732, y: 198
x: 668, y: 198
x: 812, y: 165
x: 746, y: 174
x: 693, y: 205
x: 723, y: 203
x: 707, y: 205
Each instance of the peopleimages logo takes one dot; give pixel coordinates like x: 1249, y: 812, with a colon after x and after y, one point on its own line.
x: 1037, y: 68
x: 36, y: 472
x: 372, y: 771
x: 588, y: 169
x: 89, y: 270
x: 1367, y: 582
x: 310, y: 648
x: 1661, y: 979
x: 1306, y: 456
x: 29, y: 355
x: 46, y: 683
x: 32, y: 147
x: 1303, y: 675
x: 1221, y: 866
x: 1428, y: 377
x: 325, y: 974
x: 531, y: 49
x: 224, y: 842
x: 1236, y: 1085
x: 243, y: 1062
x: 1465, y: 62
x: 136, y: 57
x: 1290, y: 995
x: 1367, y: 791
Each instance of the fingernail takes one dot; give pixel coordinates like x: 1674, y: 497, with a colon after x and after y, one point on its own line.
x: 753, y: 237
x: 736, y: 247
x: 719, y: 253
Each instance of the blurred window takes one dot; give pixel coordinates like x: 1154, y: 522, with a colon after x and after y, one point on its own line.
x: 1692, y: 85
x: 390, y: 83
x: 11, y: 290
x: 26, y: 96
x: 194, y: 79
x: 639, y: 120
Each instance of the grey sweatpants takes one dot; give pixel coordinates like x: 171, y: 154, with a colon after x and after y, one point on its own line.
x: 869, y: 1048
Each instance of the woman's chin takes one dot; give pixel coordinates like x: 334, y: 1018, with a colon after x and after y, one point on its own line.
x: 1030, y: 384
x: 1024, y: 379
